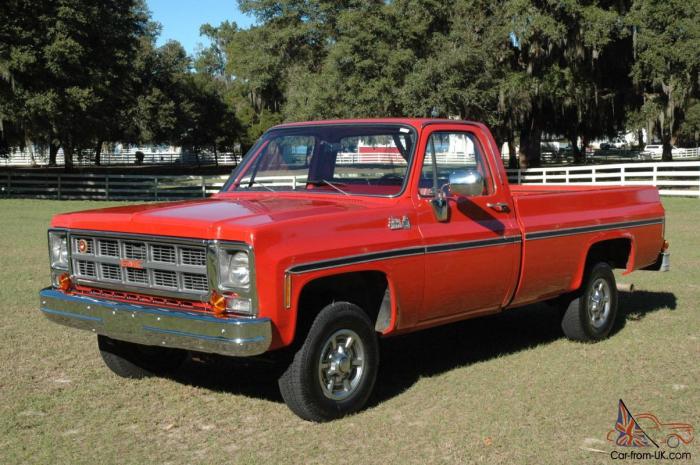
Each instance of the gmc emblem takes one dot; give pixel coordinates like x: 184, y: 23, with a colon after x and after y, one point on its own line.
x: 130, y: 263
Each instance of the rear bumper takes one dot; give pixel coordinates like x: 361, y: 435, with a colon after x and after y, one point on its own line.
x: 158, y: 326
x: 663, y: 263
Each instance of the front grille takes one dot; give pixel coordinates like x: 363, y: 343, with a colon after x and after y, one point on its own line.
x: 195, y: 257
x: 108, y: 247
x: 165, y: 278
x: 111, y: 272
x: 150, y: 265
x: 194, y: 282
x: 86, y: 268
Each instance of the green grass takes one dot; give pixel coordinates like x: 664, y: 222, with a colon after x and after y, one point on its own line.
x: 506, y: 389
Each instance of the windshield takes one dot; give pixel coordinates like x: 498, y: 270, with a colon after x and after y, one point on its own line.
x: 342, y: 159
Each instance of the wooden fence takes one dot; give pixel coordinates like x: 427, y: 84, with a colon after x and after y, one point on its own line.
x: 673, y: 179
x: 61, y: 186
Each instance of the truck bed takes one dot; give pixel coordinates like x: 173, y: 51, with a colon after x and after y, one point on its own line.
x: 560, y: 224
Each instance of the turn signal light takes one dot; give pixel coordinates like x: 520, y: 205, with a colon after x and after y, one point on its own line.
x: 218, y: 304
x: 64, y: 282
x: 665, y: 246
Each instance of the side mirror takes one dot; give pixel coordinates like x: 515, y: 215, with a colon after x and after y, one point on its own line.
x: 466, y: 182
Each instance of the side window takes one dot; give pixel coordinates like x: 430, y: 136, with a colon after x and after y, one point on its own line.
x: 454, y: 153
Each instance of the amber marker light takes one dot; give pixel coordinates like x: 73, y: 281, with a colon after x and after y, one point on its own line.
x: 64, y: 282
x: 665, y: 246
x: 218, y: 304
x: 287, y: 290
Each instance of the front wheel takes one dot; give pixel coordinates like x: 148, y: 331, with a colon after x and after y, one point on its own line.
x: 591, y: 315
x: 333, y: 373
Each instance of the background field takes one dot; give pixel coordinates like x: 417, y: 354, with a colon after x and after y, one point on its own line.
x: 506, y: 389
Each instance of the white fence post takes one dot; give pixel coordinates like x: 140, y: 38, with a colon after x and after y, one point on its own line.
x: 622, y: 176
x: 155, y: 188
x: 204, y: 187
x: 107, y: 187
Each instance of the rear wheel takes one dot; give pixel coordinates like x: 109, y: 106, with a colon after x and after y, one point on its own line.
x: 591, y: 315
x: 130, y: 360
x: 334, y: 371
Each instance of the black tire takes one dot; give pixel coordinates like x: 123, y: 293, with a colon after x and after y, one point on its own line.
x: 579, y: 322
x: 136, y: 361
x: 301, y: 384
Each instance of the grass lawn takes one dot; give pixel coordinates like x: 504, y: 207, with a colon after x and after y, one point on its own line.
x: 507, y: 389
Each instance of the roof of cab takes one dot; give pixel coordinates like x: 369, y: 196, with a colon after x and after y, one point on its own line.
x: 417, y: 123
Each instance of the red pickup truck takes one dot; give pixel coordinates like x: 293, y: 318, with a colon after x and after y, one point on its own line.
x: 330, y: 235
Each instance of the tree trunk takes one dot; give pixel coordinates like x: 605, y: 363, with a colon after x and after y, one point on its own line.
x: 68, y: 156
x: 667, y: 154
x: 530, y: 141
x: 53, y: 152
x: 512, y: 155
x: 578, y: 154
x: 98, y: 152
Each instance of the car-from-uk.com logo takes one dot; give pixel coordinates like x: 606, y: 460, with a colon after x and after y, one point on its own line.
x: 644, y: 437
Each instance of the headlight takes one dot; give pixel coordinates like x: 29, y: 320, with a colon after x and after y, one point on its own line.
x: 58, y: 250
x: 234, y: 270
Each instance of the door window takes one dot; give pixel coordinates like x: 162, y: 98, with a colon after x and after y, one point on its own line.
x: 452, y: 153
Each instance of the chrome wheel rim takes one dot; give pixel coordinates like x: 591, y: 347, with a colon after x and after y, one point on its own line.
x: 341, y: 365
x: 599, y: 303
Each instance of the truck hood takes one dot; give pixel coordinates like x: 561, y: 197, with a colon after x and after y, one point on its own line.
x: 214, y: 218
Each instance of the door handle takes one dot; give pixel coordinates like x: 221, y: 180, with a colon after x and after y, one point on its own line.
x: 500, y: 207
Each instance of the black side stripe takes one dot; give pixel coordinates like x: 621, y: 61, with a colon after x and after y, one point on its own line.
x: 370, y: 257
x: 374, y: 256
x: 471, y: 244
x: 589, y: 229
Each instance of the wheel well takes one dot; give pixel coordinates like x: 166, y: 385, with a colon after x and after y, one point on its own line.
x: 366, y: 289
x: 616, y: 252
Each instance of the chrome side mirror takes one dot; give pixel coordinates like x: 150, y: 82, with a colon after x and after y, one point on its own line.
x: 466, y: 182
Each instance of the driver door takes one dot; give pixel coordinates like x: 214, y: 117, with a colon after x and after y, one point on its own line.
x: 473, y: 257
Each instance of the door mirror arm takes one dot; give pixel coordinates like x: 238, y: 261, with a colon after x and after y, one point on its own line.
x: 441, y: 207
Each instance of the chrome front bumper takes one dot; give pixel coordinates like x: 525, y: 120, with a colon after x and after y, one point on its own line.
x: 158, y: 326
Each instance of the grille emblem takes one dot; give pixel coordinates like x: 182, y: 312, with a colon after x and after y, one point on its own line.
x: 131, y: 263
x: 82, y: 246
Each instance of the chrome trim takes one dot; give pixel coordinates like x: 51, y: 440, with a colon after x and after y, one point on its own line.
x: 64, y: 232
x: 238, y: 337
x: 213, y: 271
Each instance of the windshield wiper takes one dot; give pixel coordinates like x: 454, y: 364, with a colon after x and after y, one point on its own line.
x: 319, y: 182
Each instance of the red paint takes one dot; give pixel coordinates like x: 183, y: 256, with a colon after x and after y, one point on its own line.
x: 291, y: 228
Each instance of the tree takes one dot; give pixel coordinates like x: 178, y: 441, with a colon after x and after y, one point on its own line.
x: 68, y: 64
x: 667, y: 63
